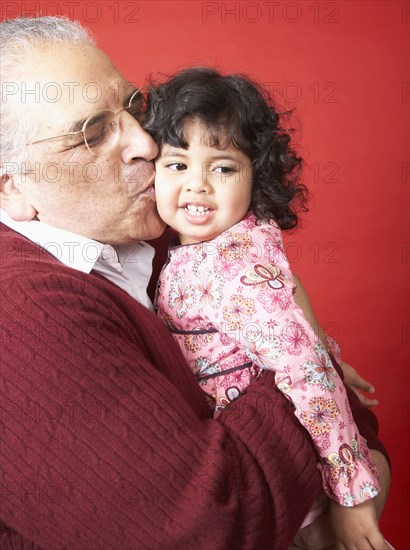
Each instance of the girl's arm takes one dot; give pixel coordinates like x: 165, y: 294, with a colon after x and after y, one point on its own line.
x: 351, y: 377
x: 322, y: 532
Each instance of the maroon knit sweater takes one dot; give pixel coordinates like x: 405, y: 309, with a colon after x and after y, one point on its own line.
x: 106, y: 438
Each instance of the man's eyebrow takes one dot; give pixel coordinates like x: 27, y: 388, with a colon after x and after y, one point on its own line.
x: 77, y: 126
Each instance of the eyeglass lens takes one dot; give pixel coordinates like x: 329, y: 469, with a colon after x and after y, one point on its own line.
x: 102, y: 130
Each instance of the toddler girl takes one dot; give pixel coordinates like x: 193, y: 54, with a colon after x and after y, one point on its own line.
x: 227, y: 182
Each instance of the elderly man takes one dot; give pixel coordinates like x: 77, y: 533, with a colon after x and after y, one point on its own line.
x: 107, y: 442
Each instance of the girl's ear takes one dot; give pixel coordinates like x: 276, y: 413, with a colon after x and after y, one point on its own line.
x: 13, y: 199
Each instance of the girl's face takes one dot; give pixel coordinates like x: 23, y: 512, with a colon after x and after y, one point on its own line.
x: 202, y: 191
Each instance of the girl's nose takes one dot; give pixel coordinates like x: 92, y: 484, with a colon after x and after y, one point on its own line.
x: 197, y: 183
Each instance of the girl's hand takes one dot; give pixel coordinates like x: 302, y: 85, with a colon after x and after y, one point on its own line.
x: 357, y: 383
x: 357, y: 527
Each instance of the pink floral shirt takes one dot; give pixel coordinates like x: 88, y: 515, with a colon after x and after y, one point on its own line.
x: 229, y: 303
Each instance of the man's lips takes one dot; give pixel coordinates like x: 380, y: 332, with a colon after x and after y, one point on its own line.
x: 150, y: 189
x: 139, y: 176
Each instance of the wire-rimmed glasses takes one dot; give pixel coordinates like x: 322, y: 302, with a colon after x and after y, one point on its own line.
x: 101, y: 130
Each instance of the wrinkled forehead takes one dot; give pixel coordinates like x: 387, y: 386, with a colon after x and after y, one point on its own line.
x: 65, y: 80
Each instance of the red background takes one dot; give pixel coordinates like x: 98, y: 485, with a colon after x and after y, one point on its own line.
x: 344, y: 67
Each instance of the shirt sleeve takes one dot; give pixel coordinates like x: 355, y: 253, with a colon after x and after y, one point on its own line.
x: 252, y: 307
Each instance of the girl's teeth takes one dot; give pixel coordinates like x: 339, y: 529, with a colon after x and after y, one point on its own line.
x: 197, y: 210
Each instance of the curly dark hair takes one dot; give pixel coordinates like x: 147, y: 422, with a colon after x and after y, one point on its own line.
x: 236, y: 109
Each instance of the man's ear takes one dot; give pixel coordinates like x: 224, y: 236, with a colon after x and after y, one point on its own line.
x: 13, y: 199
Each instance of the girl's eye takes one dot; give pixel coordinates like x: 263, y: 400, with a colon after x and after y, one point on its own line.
x: 224, y: 169
x: 176, y: 166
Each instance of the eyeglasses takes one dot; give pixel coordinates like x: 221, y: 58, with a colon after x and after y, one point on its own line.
x: 100, y: 131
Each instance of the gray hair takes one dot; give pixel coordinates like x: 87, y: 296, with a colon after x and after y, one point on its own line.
x: 17, y: 38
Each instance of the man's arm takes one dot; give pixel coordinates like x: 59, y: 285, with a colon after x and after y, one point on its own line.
x: 107, y: 442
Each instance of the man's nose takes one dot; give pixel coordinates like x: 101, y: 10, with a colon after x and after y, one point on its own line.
x: 135, y: 141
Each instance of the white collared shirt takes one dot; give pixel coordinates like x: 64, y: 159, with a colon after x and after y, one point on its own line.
x: 127, y: 266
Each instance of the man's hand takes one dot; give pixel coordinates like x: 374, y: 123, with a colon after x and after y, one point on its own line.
x: 357, y: 383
